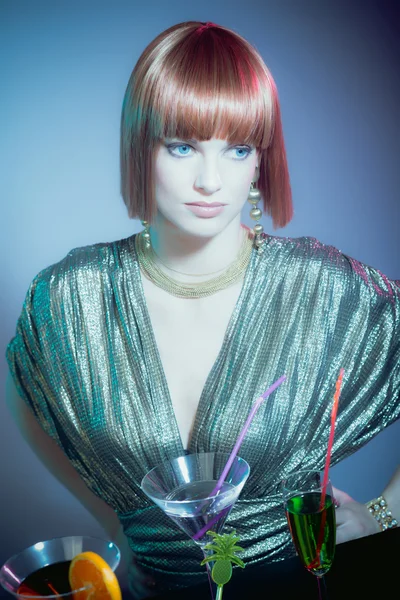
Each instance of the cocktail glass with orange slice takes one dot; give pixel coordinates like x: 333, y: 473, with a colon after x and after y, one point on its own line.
x: 66, y: 568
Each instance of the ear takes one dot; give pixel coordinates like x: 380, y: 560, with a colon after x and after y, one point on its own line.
x: 256, y: 175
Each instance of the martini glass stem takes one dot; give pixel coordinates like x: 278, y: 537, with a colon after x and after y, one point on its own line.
x: 210, y: 581
x: 322, y: 590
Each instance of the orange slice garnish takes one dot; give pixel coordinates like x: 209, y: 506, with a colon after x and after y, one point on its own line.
x: 90, y: 570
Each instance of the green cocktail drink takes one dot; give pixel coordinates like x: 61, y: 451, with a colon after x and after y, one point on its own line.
x: 310, y: 512
x: 313, y: 530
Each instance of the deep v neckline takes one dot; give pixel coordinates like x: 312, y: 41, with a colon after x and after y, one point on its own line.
x: 160, y: 373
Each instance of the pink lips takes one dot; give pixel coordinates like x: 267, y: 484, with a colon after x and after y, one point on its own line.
x: 206, y: 210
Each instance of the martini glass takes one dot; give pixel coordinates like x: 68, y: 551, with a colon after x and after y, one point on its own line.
x: 184, y: 488
x: 41, y: 571
x: 311, y: 523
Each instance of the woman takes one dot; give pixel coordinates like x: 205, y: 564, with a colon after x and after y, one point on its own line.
x: 127, y: 354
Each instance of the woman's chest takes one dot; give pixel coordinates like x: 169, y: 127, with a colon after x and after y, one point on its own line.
x: 189, y: 335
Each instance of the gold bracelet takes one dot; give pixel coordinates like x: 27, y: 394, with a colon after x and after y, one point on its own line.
x: 380, y: 511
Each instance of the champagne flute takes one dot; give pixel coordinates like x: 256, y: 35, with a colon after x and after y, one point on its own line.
x: 312, y: 522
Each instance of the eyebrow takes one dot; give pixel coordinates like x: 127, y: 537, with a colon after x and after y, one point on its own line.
x: 191, y: 140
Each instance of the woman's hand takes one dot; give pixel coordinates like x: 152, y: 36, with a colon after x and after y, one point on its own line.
x: 353, y: 519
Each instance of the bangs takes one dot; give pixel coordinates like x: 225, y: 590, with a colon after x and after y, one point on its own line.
x: 213, y: 87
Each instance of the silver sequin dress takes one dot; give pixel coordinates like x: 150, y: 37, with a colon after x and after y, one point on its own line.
x: 85, y: 359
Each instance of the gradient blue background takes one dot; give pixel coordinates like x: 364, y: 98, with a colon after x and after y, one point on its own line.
x: 64, y: 69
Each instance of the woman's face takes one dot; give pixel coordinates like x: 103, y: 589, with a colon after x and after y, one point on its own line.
x: 201, y: 187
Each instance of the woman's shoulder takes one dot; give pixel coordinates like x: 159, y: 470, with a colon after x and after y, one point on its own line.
x: 98, y: 258
x: 82, y: 270
x: 306, y: 247
x: 311, y: 258
x: 305, y: 256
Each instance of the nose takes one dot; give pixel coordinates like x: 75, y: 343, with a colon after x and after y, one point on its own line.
x: 208, y: 180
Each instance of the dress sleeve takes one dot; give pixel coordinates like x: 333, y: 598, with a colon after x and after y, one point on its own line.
x: 29, y: 358
x: 43, y: 366
x: 370, y: 330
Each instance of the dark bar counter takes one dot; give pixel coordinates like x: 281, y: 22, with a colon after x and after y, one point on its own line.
x: 367, y: 568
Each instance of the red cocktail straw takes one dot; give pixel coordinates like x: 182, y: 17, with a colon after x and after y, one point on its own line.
x: 331, y: 434
x: 239, y: 441
x: 327, y: 463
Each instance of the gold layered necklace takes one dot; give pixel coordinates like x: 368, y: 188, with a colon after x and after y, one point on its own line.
x: 234, y: 272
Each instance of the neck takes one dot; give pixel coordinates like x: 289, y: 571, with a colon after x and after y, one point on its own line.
x: 192, y: 254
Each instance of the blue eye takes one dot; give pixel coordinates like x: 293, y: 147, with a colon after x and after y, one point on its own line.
x: 179, y: 149
x: 185, y: 149
x: 242, y: 152
x: 182, y: 150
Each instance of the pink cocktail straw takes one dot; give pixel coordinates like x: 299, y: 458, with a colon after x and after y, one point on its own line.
x: 239, y: 441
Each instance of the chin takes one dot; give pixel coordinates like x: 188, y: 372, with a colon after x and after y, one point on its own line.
x: 202, y: 228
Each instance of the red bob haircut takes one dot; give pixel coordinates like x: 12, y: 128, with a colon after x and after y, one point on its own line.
x: 198, y: 81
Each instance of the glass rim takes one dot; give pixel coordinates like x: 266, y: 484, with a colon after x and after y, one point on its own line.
x: 189, y: 502
x: 299, y: 472
x: 54, y: 539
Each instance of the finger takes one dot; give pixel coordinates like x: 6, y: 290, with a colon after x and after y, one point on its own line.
x: 342, y: 517
x: 336, y: 502
x: 342, y: 534
x: 351, y: 529
x: 341, y: 497
x: 347, y: 528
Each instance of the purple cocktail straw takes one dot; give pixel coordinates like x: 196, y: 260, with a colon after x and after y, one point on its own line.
x: 236, y: 447
x: 239, y: 441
